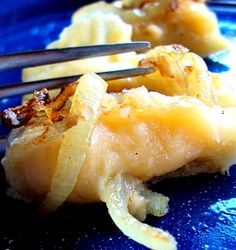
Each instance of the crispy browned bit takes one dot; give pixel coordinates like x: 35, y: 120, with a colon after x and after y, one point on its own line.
x: 18, y: 116
x: 21, y: 115
x: 60, y: 100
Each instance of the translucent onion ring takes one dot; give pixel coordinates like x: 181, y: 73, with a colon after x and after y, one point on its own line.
x: 117, y: 194
x: 83, y: 115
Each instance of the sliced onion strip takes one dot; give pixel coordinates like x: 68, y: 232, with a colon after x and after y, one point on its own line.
x: 84, y: 113
x: 117, y: 193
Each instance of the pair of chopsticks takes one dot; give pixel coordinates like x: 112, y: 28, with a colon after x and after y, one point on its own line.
x: 41, y: 57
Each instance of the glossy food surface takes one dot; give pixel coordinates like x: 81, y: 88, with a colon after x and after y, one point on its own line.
x: 202, y: 209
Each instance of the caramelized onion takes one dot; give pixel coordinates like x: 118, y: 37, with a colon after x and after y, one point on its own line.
x: 117, y: 195
x: 186, y: 70
x: 83, y: 115
x: 19, y: 116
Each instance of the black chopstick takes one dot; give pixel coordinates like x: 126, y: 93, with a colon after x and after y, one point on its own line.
x: 41, y: 57
x: 28, y: 87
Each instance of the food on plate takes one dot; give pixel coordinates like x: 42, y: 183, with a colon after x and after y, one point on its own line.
x: 100, y: 141
x: 163, y: 22
x: 186, y: 22
x: 88, y: 145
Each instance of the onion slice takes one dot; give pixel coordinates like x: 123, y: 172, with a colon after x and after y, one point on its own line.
x: 117, y: 194
x: 83, y: 115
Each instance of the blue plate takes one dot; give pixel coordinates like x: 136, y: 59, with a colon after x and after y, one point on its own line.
x: 202, y: 208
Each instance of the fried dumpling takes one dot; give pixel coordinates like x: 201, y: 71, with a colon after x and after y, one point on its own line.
x: 186, y: 22
x: 106, y: 152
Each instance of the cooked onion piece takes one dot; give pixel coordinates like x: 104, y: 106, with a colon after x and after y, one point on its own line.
x: 185, y: 72
x: 72, y: 153
x: 181, y: 72
x: 122, y: 194
x: 138, y: 133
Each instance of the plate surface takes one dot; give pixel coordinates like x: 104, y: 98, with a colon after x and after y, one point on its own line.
x: 202, y: 208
